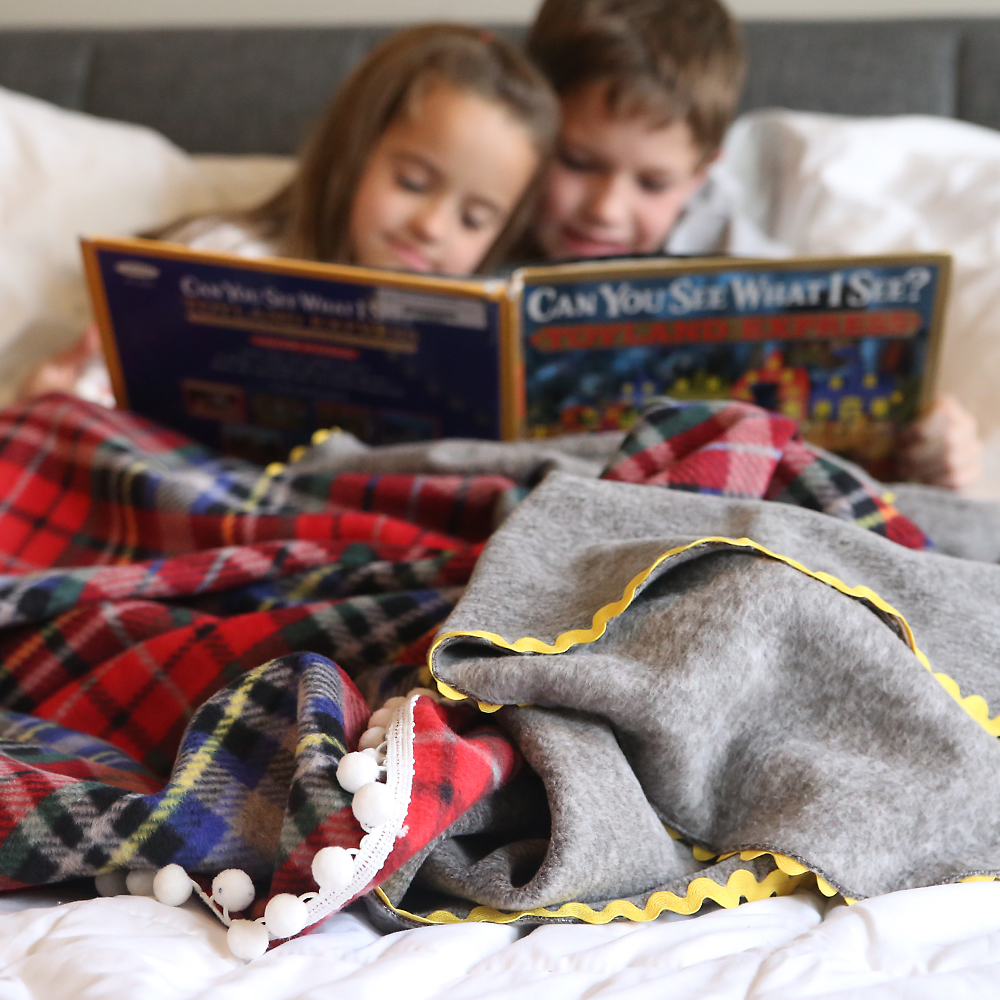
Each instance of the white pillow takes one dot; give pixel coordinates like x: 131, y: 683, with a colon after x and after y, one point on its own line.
x: 821, y: 184
x: 240, y: 182
x: 64, y: 174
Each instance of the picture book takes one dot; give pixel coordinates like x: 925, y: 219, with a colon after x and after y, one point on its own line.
x: 252, y: 356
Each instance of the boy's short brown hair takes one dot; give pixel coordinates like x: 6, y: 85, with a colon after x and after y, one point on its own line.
x: 672, y: 60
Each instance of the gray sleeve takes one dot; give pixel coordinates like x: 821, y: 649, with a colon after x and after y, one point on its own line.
x: 958, y: 526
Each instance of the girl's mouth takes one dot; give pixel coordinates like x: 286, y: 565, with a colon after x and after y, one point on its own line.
x: 409, y: 256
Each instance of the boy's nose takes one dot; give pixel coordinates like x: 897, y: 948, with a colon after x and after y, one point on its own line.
x: 607, y: 203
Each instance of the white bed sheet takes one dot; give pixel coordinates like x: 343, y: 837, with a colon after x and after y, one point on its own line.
x: 925, y: 943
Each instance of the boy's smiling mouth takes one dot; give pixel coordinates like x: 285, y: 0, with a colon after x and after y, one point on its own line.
x: 579, y: 243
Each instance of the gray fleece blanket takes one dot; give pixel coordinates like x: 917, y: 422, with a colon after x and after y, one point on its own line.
x: 784, y: 707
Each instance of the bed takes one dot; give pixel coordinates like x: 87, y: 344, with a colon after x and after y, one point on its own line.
x: 239, y: 101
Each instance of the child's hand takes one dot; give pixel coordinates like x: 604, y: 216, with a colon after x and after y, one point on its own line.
x: 60, y: 373
x: 942, y: 448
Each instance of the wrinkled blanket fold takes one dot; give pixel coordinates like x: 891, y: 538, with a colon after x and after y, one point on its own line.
x: 189, y: 644
x: 759, y: 707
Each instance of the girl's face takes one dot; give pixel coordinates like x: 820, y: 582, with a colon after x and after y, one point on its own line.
x: 440, y: 184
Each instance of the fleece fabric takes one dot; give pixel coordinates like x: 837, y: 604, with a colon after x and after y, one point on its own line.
x: 758, y: 707
x: 169, y: 622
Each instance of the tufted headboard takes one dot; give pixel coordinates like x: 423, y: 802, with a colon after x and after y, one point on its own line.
x: 256, y: 90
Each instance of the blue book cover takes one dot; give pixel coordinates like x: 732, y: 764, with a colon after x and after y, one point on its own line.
x: 253, y: 356
x: 847, y: 347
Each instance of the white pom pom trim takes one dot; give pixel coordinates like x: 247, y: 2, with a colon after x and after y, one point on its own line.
x: 394, y: 757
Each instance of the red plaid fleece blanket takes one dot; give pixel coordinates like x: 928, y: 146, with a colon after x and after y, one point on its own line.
x: 184, y: 637
x: 739, y: 450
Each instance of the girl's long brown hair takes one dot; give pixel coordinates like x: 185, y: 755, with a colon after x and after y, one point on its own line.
x: 310, y: 217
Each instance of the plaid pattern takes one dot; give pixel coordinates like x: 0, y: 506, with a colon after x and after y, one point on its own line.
x: 456, y: 763
x: 82, y: 486
x: 739, y: 450
x: 145, y: 582
x: 180, y: 634
x: 224, y: 804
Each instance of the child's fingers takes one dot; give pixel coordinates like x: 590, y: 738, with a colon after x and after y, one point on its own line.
x: 92, y: 339
x: 61, y: 372
x: 943, y: 449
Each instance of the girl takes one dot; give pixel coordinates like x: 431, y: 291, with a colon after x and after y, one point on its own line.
x: 427, y: 160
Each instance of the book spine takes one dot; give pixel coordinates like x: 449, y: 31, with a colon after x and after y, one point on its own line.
x: 513, y: 413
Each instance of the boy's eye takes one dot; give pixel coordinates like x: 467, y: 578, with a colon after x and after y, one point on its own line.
x: 655, y: 184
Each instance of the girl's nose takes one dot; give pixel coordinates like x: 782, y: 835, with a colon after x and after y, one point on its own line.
x: 430, y: 221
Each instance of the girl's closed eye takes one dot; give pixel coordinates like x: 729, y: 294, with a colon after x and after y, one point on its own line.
x: 479, y: 216
x: 414, y: 175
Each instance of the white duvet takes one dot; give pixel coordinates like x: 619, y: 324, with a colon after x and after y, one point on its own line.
x: 942, y: 942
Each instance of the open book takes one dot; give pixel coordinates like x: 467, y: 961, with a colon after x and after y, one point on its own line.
x: 253, y: 355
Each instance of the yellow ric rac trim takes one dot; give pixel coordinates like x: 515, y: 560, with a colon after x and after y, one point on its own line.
x: 974, y: 705
x: 788, y: 865
x: 741, y: 883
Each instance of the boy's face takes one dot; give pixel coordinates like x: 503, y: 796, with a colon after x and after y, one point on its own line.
x: 617, y: 184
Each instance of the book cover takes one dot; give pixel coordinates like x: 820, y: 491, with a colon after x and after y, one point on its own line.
x: 847, y: 347
x: 252, y: 355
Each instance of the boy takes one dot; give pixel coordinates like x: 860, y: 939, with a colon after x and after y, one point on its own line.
x: 648, y: 89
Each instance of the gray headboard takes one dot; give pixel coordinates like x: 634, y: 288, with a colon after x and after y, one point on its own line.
x: 257, y: 90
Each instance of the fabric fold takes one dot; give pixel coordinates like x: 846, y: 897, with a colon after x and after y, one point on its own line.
x: 760, y: 706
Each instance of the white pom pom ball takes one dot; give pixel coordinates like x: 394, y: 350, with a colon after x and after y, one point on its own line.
x: 111, y: 884
x: 247, y: 939
x: 381, y: 718
x: 393, y: 703
x: 172, y: 886
x: 140, y: 883
x: 285, y: 915
x: 233, y: 889
x: 355, y: 770
x: 332, y: 868
x: 372, y: 805
x: 371, y: 738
